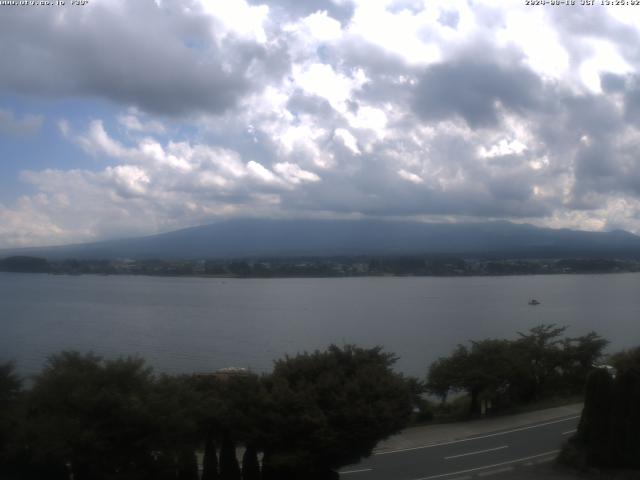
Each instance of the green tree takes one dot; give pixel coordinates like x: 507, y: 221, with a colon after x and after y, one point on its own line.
x: 10, y: 416
x: 187, y: 465
x: 579, y: 356
x: 483, y: 371
x: 609, y: 429
x: 540, y: 357
x: 595, y: 422
x: 250, y: 465
x: 91, y: 415
x: 210, y: 459
x: 540, y: 362
x: 229, y: 468
x: 625, y: 414
x: 446, y: 375
x: 329, y: 409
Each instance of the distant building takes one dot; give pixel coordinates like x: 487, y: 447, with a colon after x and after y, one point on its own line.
x: 226, y: 373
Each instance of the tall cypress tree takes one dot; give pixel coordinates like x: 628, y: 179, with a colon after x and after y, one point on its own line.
x: 210, y: 460
x: 625, y: 420
x: 250, y: 465
x: 229, y: 468
x: 595, y: 424
x: 268, y: 472
x: 187, y: 465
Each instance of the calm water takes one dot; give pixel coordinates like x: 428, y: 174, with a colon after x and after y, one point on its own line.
x: 197, y: 324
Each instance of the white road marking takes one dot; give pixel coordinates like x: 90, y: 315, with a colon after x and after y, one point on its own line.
x: 495, y: 472
x: 477, y: 452
x: 552, y: 452
x: 356, y: 471
x: 477, y: 438
x: 569, y: 432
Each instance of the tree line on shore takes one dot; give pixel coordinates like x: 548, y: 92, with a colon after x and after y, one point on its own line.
x: 338, y: 266
x: 84, y: 417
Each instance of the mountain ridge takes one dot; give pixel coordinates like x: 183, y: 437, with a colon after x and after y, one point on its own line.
x: 260, y: 238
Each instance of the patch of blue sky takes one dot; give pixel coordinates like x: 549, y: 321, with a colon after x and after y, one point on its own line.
x: 47, y: 148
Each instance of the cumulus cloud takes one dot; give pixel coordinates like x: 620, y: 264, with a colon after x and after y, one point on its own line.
x: 169, y: 57
x: 393, y: 108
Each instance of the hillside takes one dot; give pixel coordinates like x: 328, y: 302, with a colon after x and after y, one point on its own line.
x: 318, y: 238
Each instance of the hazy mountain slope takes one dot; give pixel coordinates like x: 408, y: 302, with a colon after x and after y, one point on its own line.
x: 262, y: 238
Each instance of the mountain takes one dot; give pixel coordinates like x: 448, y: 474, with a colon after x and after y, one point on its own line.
x: 317, y: 238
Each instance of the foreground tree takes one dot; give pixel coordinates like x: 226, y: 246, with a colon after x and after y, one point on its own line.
x: 609, y: 430
x: 329, y: 409
x: 89, y: 416
x: 625, y: 414
x: 210, y: 459
x: 579, y: 356
x: 595, y: 422
x: 541, y: 362
x: 229, y: 468
x: 483, y: 371
x: 10, y: 416
x: 539, y: 355
x: 250, y: 465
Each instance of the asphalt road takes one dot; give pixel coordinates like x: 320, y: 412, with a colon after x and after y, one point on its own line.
x: 498, y: 453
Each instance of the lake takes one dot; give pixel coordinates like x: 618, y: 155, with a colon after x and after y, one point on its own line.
x: 202, y: 324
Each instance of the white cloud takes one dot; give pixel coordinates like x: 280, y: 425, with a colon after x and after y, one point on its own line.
x: 348, y: 140
x: 238, y: 17
x: 258, y: 171
x: 322, y: 28
x: 322, y: 80
x: 441, y: 108
x: 411, y: 177
x: 97, y: 141
x: 130, y: 179
x: 294, y: 174
x: 503, y: 147
x: 401, y: 32
x: 133, y: 124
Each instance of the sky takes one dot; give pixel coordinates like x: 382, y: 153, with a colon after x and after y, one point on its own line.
x: 122, y: 118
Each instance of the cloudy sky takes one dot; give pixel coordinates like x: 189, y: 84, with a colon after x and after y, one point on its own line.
x: 123, y: 118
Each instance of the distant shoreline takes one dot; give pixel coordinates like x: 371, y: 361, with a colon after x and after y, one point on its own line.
x: 264, y: 277
x: 337, y: 267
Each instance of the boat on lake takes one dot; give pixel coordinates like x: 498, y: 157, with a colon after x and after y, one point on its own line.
x: 533, y: 301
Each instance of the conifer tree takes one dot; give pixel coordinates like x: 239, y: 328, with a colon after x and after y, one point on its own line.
x: 229, y: 468
x: 250, y: 466
x: 187, y: 465
x: 210, y: 460
x: 594, y: 427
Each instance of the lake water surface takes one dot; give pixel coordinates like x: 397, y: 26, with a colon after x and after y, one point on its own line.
x: 202, y: 324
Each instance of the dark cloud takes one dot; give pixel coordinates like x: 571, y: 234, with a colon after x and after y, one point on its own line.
x: 612, y: 83
x: 632, y: 101
x: 474, y: 91
x: 160, y: 59
x: 300, y: 103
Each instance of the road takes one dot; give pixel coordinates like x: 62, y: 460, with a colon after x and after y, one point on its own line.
x: 479, y: 456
